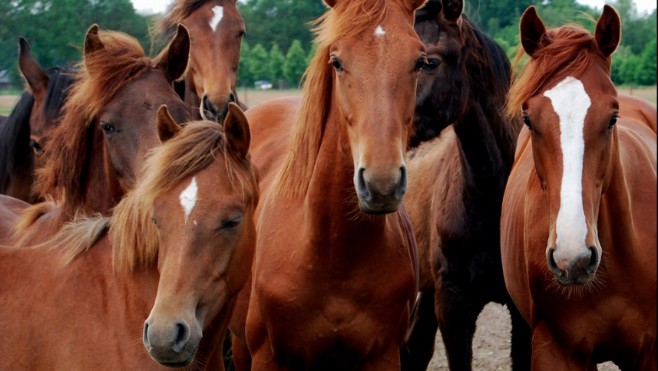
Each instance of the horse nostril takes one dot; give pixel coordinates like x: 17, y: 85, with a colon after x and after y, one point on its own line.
x: 232, y: 98
x: 145, y: 337
x: 208, y: 105
x: 552, y: 265
x: 402, y: 185
x: 361, y: 183
x: 181, y: 336
x: 593, y: 261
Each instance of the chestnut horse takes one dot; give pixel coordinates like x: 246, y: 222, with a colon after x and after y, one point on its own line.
x: 107, y: 127
x: 578, y: 227
x: 37, y: 111
x: 456, y: 185
x: 179, y: 245
x: 216, y: 30
x: 335, y: 269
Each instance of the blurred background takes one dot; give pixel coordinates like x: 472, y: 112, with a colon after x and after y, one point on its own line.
x: 278, y: 43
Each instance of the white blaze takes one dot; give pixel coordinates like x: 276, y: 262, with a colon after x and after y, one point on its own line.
x: 379, y: 31
x: 188, y: 198
x: 218, y: 13
x: 571, y: 103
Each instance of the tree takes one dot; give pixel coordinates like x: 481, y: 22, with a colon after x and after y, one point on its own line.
x: 257, y: 63
x: 295, y: 64
x: 244, y: 76
x: 276, y: 62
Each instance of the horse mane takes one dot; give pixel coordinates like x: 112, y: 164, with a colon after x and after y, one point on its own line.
x: 133, y: 235
x: 15, y: 139
x: 176, y: 13
x: 96, y: 81
x: 60, y: 80
x: 565, y: 51
x: 346, y: 19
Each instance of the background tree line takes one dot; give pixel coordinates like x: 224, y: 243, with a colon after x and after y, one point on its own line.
x: 279, y: 43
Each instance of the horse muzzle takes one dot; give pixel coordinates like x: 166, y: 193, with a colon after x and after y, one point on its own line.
x: 380, y: 193
x: 171, y: 343
x: 573, y: 269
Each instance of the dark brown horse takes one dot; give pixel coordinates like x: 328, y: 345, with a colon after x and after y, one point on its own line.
x: 216, y: 30
x: 578, y: 228
x: 27, y: 129
x: 334, y: 275
x: 179, y: 249
x: 456, y: 185
x: 107, y: 127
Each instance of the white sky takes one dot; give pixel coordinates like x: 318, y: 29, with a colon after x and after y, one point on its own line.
x: 159, y: 6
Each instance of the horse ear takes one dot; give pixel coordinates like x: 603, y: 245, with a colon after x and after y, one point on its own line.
x: 173, y: 59
x: 236, y: 128
x: 532, y: 30
x: 32, y: 72
x: 608, y: 31
x: 167, y: 126
x: 93, y: 42
x: 330, y: 3
x: 452, y: 9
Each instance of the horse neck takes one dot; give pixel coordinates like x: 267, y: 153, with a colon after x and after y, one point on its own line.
x: 487, y: 145
x: 331, y: 204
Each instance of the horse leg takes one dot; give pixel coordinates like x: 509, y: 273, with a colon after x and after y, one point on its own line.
x: 417, y: 351
x: 241, y: 356
x: 521, y: 339
x: 548, y: 355
x: 456, y: 318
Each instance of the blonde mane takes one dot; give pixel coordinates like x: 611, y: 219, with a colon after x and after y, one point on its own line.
x: 346, y: 19
x: 96, y: 82
x: 566, y: 51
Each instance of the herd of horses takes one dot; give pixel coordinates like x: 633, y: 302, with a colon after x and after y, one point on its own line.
x: 149, y: 217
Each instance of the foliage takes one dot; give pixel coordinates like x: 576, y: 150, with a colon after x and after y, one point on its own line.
x: 295, y: 64
x: 257, y: 63
x: 55, y: 29
x: 275, y: 62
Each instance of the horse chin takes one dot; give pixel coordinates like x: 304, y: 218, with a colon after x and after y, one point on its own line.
x: 173, y: 359
x: 379, y: 206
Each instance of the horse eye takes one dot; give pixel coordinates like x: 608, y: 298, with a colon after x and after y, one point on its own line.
x: 108, y: 128
x: 420, y: 63
x: 431, y: 65
x: 241, y: 34
x: 232, y: 223
x: 36, y: 146
x: 336, y: 63
x: 527, y: 122
x: 613, y: 121
x: 155, y: 221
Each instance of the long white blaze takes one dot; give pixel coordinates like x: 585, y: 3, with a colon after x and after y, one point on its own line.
x: 218, y: 13
x: 188, y: 198
x: 571, y: 103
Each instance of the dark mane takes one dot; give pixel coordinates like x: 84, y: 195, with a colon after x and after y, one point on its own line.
x: 60, y: 80
x: 479, y: 74
x: 15, y: 151
x: 96, y: 82
x: 567, y: 51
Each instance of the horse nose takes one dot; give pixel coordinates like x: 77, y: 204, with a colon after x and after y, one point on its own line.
x: 576, y: 269
x: 208, y: 109
x: 167, y: 344
x: 380, y: 193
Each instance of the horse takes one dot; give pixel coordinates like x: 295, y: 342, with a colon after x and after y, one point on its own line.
x: 36, y: 112
x: 461, y: 154
x: 578, y: 224
x: 165, y: 267
x: 107, y: 127
x: 335, y: 270
x: 216, y: 31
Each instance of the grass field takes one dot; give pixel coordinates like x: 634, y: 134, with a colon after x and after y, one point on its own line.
x: 251, y: 97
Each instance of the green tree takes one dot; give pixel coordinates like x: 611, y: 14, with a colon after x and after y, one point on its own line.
x: 295, y: 64
x: 276, y: 61
x: 257, y: 63
x: 244, y: 76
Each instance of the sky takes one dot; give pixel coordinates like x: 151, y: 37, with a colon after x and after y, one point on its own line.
x: 159, y: 6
